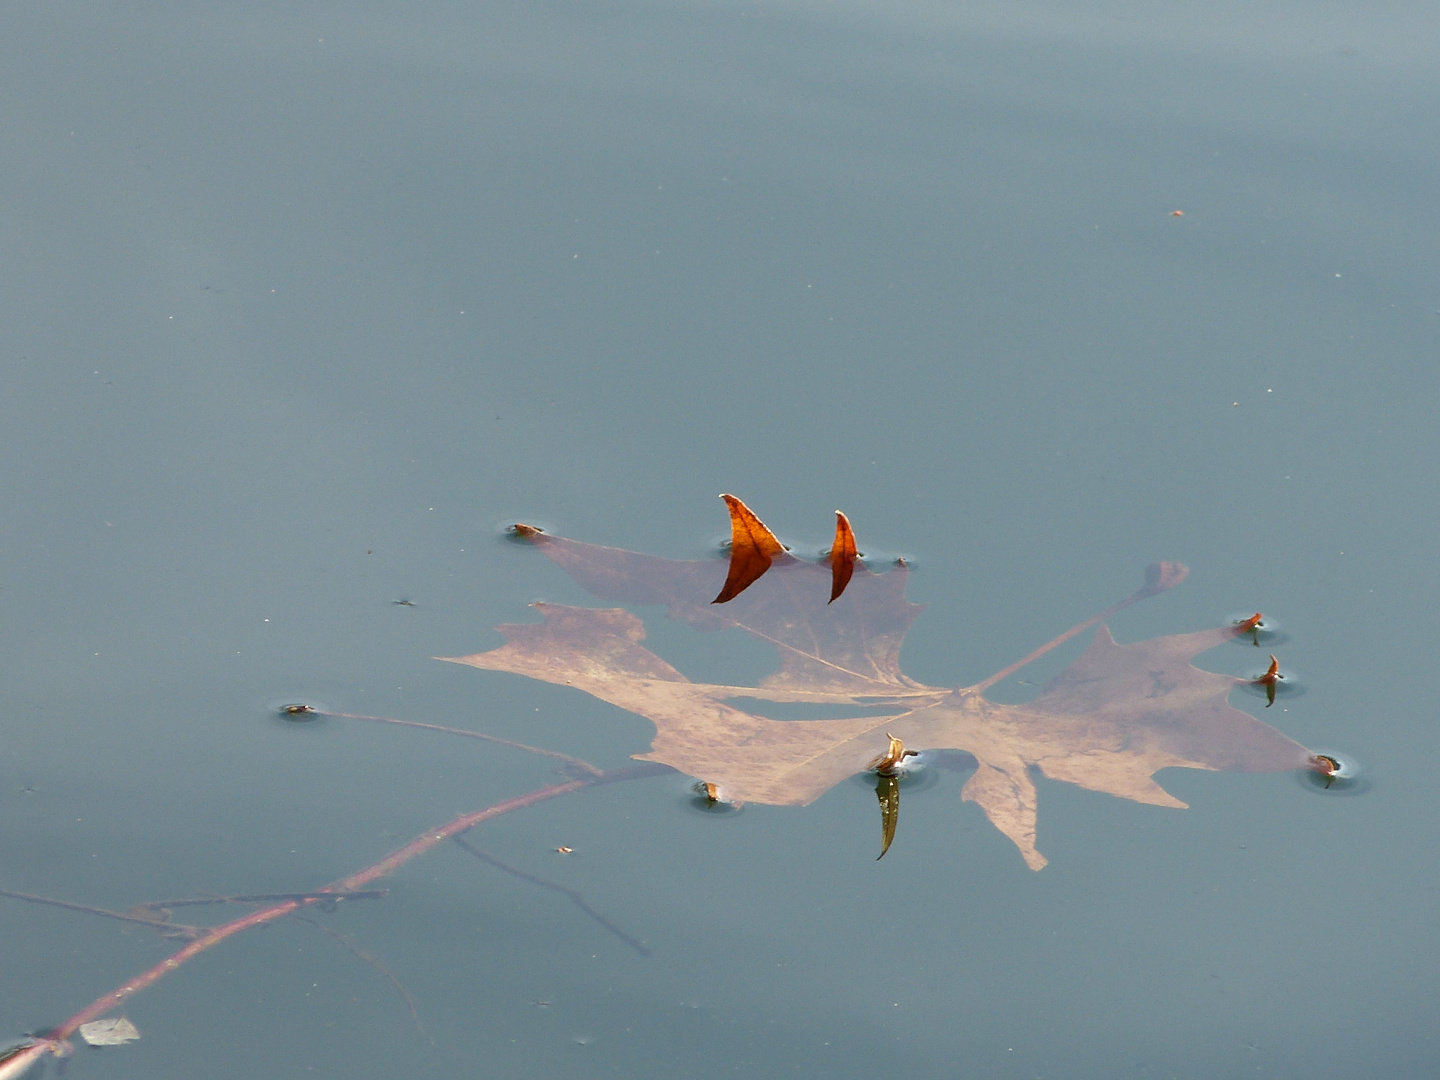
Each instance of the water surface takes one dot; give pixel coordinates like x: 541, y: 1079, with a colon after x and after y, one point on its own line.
x: 302, y: 305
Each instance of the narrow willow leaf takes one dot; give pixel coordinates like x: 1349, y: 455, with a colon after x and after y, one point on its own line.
x: 887, y: 790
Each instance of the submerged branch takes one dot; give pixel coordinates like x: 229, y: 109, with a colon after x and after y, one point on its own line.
x: 360, y: 954
x: 154, y: 922
x: 323, y: 897
x: 583, y: 766
x: 570, y: 894
x: 424, y: 842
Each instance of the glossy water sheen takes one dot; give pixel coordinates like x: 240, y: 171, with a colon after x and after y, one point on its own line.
x: 302, y: 303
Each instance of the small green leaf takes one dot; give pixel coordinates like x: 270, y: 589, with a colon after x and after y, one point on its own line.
x: 887, y: 790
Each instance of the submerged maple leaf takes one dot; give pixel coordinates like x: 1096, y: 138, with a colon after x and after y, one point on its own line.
x: 1108, y: 722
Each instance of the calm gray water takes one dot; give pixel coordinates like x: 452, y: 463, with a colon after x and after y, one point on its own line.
x: 302, y: 304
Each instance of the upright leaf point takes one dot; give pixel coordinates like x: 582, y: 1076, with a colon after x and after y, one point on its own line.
x: 752, y: 546
x: 842, y: 556
x: 1269, y: 679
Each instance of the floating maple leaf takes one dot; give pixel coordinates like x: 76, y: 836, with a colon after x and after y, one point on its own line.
x: 1108, y: 722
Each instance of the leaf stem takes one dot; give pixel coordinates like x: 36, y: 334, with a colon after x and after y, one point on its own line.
x: 1158, y: 578
x: 574, y: 897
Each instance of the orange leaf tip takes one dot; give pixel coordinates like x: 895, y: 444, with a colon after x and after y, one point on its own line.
x: 1269, y: 679
x: 752, y: 547
x: 526, y: 532
x: 842, y: 556
x: 1246, y: 625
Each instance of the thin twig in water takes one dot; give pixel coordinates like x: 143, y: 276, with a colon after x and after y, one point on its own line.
x: 55, y: 1041
x: 266, y: 898
x: 583, y: 766
x: 573, y: 896
x: 381, y: 968
x: 170, y: 929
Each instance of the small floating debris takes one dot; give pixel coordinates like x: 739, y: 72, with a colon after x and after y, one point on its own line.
x: 1258, y: 629
x: 711, y: 798
x: 115, y: 1031
x: 298, y: 712
x: 1335, y: 774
